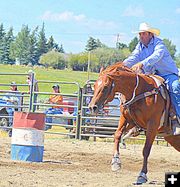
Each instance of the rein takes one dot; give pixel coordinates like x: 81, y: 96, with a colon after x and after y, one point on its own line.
x: 134, y: 92
x: 135, y: 98
x: 140, y: 96
x: 154, y: 91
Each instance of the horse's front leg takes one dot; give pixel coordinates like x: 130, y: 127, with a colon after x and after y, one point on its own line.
x: 116, y: 164
x: 150, y: 136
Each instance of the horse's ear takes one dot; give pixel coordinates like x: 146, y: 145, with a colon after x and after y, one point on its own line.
x: 102, y: 69
x: 107, y: 80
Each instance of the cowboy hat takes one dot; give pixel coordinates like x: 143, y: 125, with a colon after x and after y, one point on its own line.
x: 145, y: 27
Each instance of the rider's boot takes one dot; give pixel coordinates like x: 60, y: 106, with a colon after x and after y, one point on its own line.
x: 178, y: 119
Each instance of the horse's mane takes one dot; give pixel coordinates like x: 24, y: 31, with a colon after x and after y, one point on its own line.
x: 116, y: 69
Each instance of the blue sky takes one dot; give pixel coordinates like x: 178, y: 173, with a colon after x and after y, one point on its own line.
x: 72, y: 22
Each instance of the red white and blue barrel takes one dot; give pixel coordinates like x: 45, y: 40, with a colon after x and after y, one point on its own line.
x: 27, y: 142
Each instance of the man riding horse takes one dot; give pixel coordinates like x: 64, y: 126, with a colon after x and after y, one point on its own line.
x: 152, y: 57
x: 143, y: 102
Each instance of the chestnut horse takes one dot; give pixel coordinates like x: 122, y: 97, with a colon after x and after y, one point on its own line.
x: 145, y: 112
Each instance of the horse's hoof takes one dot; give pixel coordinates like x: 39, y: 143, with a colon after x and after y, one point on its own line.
x: 115, y: 164
x: 142, y: 178
x: 123, y: 146
x: 115, y: 167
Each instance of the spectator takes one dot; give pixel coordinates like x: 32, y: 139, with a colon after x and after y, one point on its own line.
x: 88, y: 91
x: 13, y: 99
x: 55, y: 99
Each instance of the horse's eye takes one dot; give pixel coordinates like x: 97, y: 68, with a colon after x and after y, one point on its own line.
x: 105, y: 88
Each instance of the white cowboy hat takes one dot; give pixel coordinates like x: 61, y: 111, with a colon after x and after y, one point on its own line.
x: 145, y: 27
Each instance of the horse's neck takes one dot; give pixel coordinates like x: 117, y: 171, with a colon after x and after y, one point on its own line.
x: 129, y: 84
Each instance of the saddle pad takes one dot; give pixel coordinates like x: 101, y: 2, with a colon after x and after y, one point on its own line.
x: 158, y: 80
x: 176, y: 129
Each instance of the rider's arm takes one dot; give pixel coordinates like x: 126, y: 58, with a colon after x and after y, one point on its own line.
x: 134, y: 57
x: 156, y: 56
x: 6, y: 98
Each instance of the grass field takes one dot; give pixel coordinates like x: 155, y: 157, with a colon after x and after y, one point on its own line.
x: 45, y: 74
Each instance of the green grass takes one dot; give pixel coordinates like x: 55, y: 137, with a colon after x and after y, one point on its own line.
x: 47, y: 75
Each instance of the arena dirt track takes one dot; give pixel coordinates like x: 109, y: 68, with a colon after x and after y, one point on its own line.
x: 72, y: 163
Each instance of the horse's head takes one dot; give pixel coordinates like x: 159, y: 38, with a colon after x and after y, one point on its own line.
x: 103, y: 92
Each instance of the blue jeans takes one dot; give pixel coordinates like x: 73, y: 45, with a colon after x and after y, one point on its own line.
x: 173, y: 86
x: 51, y: 111
x: 35, y: 101
x: 11, y: 113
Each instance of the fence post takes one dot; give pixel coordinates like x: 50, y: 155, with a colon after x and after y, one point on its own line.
x: 78, y: 114
x: 31, y: 91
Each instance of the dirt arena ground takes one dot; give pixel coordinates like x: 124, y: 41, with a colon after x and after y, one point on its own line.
x: 74, y: 163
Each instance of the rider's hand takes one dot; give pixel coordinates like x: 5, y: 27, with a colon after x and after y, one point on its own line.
x: 137, y: 67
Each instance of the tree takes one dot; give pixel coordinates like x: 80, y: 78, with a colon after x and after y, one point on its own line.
x: 2, y: 44
x: 79, y: 62
x: 20, y: 49
x: 177, y: 59
x: 91, y: 44
x: 133, y: 44
x: 100, y: 44
x: 51, y: 44
x: 99, y: 57
x: 8, y: 39
x: 33, y: 47
x: 53, y: 59
x: 106, y: 56
x: 26, y: 47
x: 61, y: 49
x: 171, y: 47
x: 121, y: 45
x: 42, y: 42
x: 125, y: 52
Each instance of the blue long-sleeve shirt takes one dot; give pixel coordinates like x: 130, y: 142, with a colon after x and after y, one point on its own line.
x: 155, y: 58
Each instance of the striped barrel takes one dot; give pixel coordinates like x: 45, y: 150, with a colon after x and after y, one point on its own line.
x: 27, y: 142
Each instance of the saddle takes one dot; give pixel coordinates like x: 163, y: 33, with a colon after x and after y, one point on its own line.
x: 169, y: 124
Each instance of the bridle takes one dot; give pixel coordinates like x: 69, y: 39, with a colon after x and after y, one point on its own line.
x: 110, y: 90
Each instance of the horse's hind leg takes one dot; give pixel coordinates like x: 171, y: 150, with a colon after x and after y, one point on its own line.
x: 150, y: 136
x: 126, y: 136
